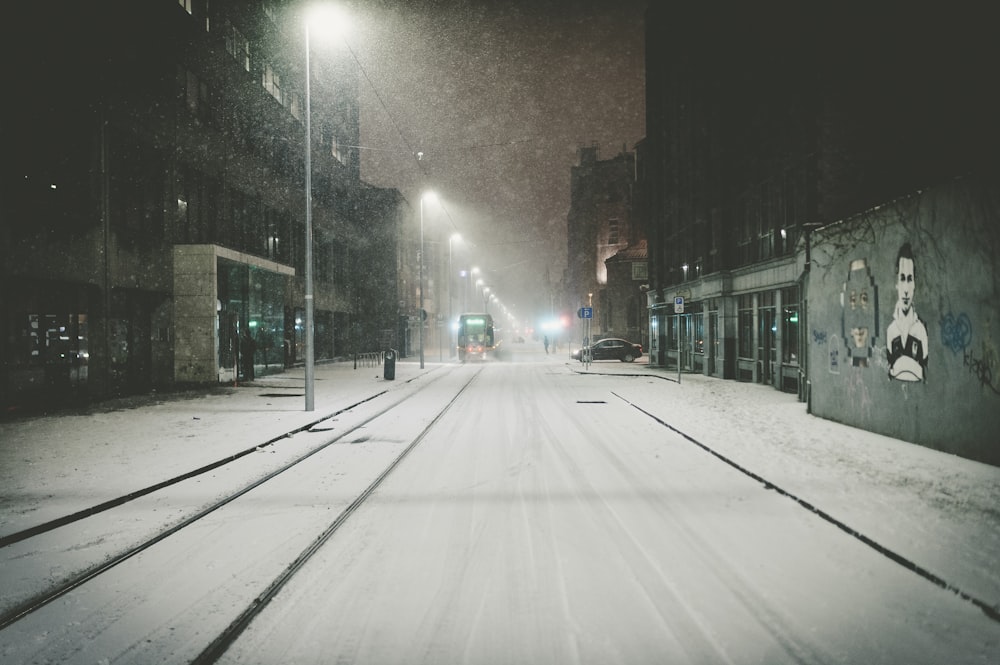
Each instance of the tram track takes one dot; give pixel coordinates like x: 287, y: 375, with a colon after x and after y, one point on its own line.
x: 90, y: 511
x: 82, y: 577
x: 221, y: 643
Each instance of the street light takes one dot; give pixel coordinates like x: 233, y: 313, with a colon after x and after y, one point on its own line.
x: 431, y: 196
x: 469, y: 285
x: 327, y: 16
x: 451, y: 238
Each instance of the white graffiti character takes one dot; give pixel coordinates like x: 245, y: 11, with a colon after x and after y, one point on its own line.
x: 907, y: 334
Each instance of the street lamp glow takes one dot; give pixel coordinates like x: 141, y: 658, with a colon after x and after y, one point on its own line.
x: 328, y: 21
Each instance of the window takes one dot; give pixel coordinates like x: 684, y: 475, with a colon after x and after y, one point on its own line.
x: 640, y: 270
x: 745, y: 322
x: 237, y: 46
x: 294, y: 104
x: 272, y: 82
x: 194, y: 93
x: 697, y: 332
x: 613, y: 231
x: 790, y: 325
x: 336, y: 150
x: 189, y: 91
x: 187, y: 5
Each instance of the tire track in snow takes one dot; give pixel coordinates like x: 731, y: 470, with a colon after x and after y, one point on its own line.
x: 991, y: 611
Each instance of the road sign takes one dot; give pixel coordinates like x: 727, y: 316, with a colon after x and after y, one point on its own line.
x: 585, y: 312
x: 679, y: 305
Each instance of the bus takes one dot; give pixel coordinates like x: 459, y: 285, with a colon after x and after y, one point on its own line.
x: 476, y: 336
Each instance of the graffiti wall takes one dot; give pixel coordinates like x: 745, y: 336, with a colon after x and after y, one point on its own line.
x: 904, y: 302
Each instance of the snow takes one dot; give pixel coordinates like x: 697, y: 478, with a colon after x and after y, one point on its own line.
x: 543, y: 519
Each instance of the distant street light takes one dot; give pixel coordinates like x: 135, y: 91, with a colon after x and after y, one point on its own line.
x: 329, y: 17
x: 469, y: 285
x: 430, y: 196
x: 451, y: 239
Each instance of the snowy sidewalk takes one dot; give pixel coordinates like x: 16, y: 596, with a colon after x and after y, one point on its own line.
x: 55, y: 464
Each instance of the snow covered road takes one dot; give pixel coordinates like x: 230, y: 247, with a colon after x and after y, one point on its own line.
x: 544, y: 520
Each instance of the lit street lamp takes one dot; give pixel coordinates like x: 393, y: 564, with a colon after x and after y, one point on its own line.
x: 310, y: 335
x: 469, y: 285
x: 432, y: 197
x: 451, y: 238
x: 329, y: 17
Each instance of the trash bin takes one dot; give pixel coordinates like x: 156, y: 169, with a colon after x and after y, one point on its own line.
x: 390, y: 364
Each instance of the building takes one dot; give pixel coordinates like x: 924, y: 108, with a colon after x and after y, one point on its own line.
x: 766, y: 128
x: 154, y: 200
x: 625, y: 295
x: 599, y: 225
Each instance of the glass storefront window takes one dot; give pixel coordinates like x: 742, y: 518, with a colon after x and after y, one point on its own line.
x: 251, y: 298
x: 790, y: 325
x: 745, y: 314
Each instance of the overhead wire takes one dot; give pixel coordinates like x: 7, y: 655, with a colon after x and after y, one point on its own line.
x: 416, y: 155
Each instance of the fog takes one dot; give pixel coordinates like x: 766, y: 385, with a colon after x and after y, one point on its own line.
x: 487, y: 104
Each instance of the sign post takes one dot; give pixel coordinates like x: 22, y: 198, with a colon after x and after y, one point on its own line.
x: 678, y: 310
x: 587, y: 314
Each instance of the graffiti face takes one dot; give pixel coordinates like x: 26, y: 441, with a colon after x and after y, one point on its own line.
x: 906, y: 338
x: 904, y: 283
x: 860, y: 316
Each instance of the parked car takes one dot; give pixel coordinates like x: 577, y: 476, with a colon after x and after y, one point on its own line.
x: 611, y: 348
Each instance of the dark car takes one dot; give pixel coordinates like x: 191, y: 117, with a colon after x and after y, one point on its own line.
x: 611, y: 348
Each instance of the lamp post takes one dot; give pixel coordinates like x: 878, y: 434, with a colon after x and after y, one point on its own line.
x: 431, y: 196
x: 329, y: 16
x: 310, y: 335
x: 451, y: 238
x: 468, y: 287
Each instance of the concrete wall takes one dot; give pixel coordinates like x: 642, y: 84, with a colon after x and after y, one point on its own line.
x: 928, y: 373
x: 196, y: 352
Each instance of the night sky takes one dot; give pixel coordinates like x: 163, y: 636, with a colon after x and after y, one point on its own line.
x: 498, y: 96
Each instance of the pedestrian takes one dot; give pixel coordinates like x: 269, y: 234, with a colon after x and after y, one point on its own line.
x: 247, y: 349
x: 546, y: 340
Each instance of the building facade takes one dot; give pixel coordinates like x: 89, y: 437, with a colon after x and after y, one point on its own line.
x: 763, y: 131
x: 599, y: 225
x: 154, y: 201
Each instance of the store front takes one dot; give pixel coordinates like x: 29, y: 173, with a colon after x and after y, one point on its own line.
x: 230, y: 316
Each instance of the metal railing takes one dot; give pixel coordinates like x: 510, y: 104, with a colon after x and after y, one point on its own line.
x: 368, y: 359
